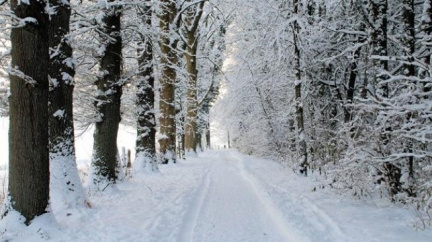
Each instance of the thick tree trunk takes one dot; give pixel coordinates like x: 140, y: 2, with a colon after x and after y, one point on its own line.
x: 28, y: 139
x: 64, y: 181
x: 298, y: 97
x: 105, y: 152
x: 168, y: 59
x: 146, y: 123
x: 191, y: 95
x: 191, y: 127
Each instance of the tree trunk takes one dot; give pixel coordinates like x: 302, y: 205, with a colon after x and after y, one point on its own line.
x: 208, y: 141
x: 408, y: 41
x: 191, y: 96
x: 105, y: 152
x: 352, y: 81
x: 191, y: 127
x: 182, y: 148
x: 426, y: 28
x: 64, y: 180
x: 378, y: 11
x: 192, y: 102
x: 198, y: 141
x: 298, y: 96
x: 378, y: 39
x: 28, y: 133
x: 206, y: 111
x: 146, y: 123
x: 351, y: 86
x: 168, y: 60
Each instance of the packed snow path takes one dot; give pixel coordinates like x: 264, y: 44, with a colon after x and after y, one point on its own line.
x: 221, y: 196
x: 230, y: 208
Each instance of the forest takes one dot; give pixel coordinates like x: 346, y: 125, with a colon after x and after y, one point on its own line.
x: 337, y: 91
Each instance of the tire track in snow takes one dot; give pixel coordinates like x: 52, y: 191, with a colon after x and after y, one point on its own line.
x: 191, y: 217
x: 283, y: 226
x: 324, y: 217
x: 326, y: 222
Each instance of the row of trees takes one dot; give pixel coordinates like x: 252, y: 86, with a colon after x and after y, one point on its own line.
x: 338, y: 88
x: 106, y: 61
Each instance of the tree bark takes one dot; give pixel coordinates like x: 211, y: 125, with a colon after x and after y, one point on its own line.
x: 146, y: 123
x: 426, y: 28
x: 28, y: 139
x: 229, y: 140
x: 63, y: 169
x: 168, y: 60
x: 408, y: 41
x: 193, y: 18
x: 378, y: 11
x: 351, y: 84
x: 105, y: 152
x: 208, y: 141
x: 206, y: 112
x: 192, y: 102
x: 378, y: 40
x: 298, y: 97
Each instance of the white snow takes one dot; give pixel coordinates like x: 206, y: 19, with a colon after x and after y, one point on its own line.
x: 59, y: 113
x: 67, y: 78
x: 70, y: 62
x: 24, y: 1
x: 84, y: 144
x: 26, y: 20
x: 218, y: 195
x: 4, y: 151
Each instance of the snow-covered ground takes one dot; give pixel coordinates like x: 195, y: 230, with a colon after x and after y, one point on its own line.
x: 219, y: 195
x: 222, y: 196
x: 83, y: 146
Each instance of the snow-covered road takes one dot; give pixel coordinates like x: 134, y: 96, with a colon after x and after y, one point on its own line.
x: 229, y: 208
x: 221, y: 196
